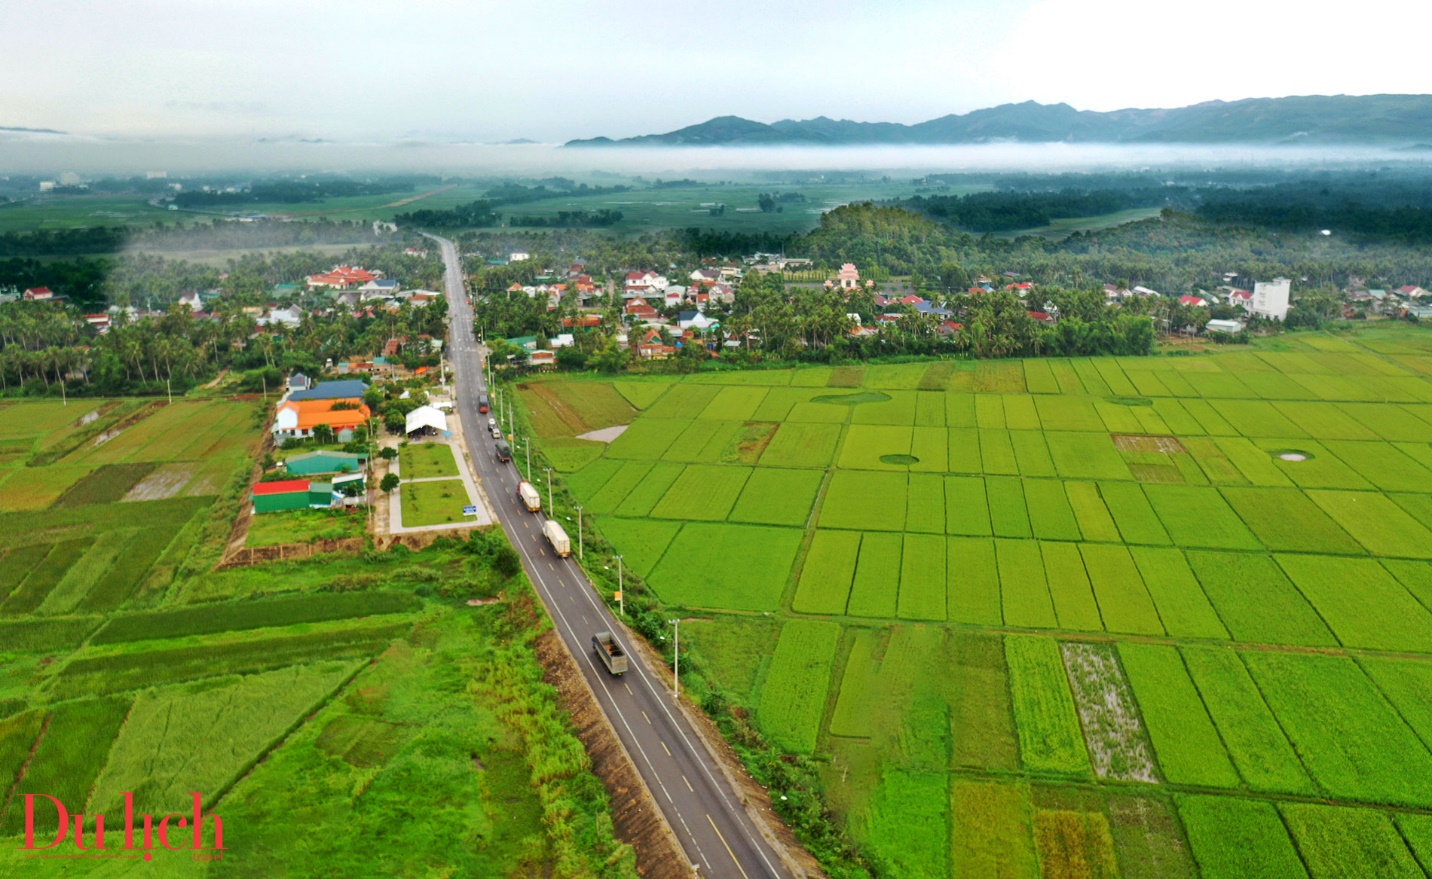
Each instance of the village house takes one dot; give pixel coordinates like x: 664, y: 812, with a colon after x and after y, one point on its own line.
x: 641, y: 310
x: 293, y: 494
x: 643, y: 284
x: 296, y: 419
x: 38, y: 294
x: 339, y: 390
x: 343, y: 277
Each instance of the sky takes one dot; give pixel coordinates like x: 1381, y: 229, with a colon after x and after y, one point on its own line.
x: 384, y: 71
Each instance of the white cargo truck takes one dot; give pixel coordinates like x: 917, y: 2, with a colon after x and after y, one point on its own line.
x: 530, y: 496
x: 561, y: 543
x: 611, y: 653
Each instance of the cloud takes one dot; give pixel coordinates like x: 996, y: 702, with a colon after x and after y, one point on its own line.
x: 1111, y: 54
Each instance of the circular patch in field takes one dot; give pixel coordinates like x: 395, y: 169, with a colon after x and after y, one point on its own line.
x: 905, y: 460
x: 852, y: 399
x: 1293, y: 456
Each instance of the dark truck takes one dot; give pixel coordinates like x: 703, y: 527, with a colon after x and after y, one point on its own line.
x: 504, y: 451
x: 613, y: 657
x: 482, y: 403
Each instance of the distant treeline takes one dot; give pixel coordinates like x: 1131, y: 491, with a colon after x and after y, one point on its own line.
x: 63, y: 242
x: 81, y: 279
x: 1008, y: 211
x: 707, y: 242
x: 482, y: 213
x: 571, y: 220
x: 293, y: 192
x: 1368, y: 208
x: 212, y: 235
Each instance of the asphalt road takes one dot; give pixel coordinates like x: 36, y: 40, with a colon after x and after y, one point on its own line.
x: 708, y: 819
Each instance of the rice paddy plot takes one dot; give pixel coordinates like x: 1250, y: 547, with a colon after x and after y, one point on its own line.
x: 643, y: 541
x: 735, y: 567
x: 1351, y: 740
x: 793, y: 696
x: 1050, y: 741
x: 777, y: 497
x: 702, y: 492
x: 829, y: 569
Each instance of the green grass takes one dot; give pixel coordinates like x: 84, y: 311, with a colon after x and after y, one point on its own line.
x: 1183, y: 607
x: 1124, y: 603
x: 433, y: 503
x: 829, y: 569
x: 1283, y: 519
x: 973, y: 596
x: 1239, y: 839
x: 922, y: 578
x: 106, y: 485
x: 1023, y: 589
x: 1009, y: 517
x: 1131, y: 511
x: 304, y: 526
x: 906, y: 825
x: 862, y: 501
x: 702, y: 491
x: 44, y: 575
x: 1350, y: 843
x: 1187, y: 744
x: 876, y: 588
x: 426, y: 460
x: 262, y: 613
x: 118, y: 672
x: 1256, y: 601
x: 793, y: 696
x: 1049, y: 738
x: 67, y: 758
x: 1361, y: 602
x: 197, y: 737
x: 740, y: 567
x: 1377, y: 523
x: 1350, y: 739
x: 643, y: 541
x: 777, y: 497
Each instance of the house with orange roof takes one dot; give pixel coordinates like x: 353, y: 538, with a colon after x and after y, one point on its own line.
x: 343, y: 277
x: 296, y: 419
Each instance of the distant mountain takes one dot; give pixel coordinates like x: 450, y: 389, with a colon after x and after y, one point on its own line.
x: 1337, y: 119
x: 20, y: 130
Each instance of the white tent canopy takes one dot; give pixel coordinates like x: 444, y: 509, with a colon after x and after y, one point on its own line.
x: 427, y: 416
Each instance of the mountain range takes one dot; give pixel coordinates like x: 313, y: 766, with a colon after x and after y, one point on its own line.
x: 1314, y: 119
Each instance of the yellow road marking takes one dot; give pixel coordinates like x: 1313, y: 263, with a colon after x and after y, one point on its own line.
x: 728, y: 847
x: 666, y: 749
x: 648, y: 719
x: 688, y: 785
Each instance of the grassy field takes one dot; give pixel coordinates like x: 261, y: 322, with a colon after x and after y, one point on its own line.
x: 340, y: 685
x: 1261, y: 625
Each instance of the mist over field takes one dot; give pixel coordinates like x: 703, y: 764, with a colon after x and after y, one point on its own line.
x: 33, y: 153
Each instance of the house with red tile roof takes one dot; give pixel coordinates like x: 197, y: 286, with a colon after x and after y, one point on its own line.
x: 343, y: 277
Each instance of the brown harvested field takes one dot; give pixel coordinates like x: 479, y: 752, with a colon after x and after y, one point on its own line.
x: 1126, y: 442
x: 572, y: 408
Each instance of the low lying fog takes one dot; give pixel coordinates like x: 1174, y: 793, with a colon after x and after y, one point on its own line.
x: 43, y: 154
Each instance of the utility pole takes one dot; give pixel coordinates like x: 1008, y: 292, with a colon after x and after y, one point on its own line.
x: 550, y: 508
x: 581, y: 551
x: 676, y: 669
x: 621, y: 593
x: 528, y: 446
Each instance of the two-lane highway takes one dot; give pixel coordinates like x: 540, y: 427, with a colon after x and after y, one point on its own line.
x: 709, y: 820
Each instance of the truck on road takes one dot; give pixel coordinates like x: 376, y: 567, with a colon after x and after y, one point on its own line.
x: 529, y: 496
x: 613, y: 657
x: 482, y: 403
x: 561, y: 543
x: 503, y: 451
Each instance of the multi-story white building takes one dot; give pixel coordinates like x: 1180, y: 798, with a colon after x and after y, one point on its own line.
x: 1270, y: 298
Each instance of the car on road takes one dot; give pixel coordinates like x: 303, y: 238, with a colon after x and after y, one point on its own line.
x: 492, y: 422
x: 497, y: 433
x: 482, y: 403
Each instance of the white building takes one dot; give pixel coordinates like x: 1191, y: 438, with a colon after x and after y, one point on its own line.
x: 1270, y: 298
x: 518, y: 256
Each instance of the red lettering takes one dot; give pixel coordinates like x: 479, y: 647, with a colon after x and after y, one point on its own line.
x: 128, y: 819
x: 61, y: 814
x: 198, y: 825
x: 148, y: 840
x: 164, y: 829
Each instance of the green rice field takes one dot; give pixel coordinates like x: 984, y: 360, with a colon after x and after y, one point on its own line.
x: 933, y: 548
x: 340, y: 685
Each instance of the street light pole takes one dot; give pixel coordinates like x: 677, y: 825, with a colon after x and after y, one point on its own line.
x: 676, y: 649
x: 581, y: 551
x: 621, y: 593
x: 528, y: 444
x: 549, y: 488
